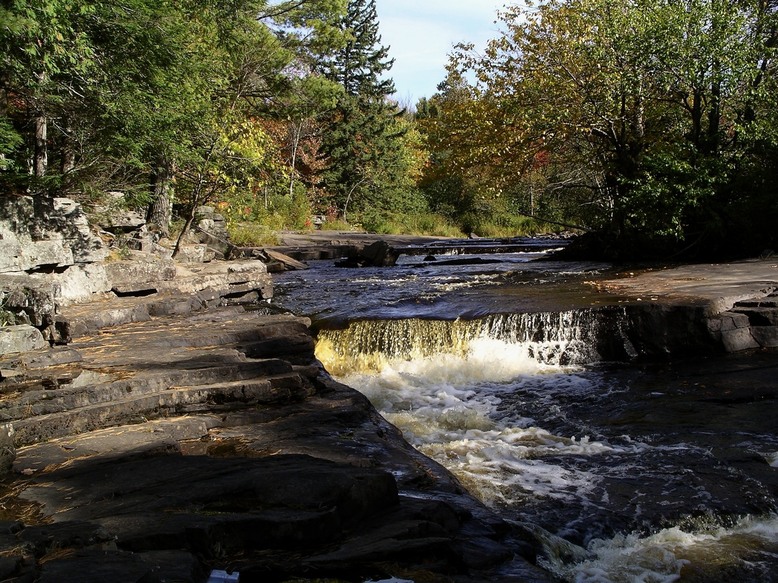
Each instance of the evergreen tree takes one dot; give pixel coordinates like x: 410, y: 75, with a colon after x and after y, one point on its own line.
x: 359, y: 64
x: 363, y: 135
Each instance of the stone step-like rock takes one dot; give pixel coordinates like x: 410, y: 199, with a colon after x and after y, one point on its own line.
x: 47, y: 398
x: 156, y: 436
x: 770, y: 301
x: 766, y: 336
x: 759, y: 315
x: 139, y: 408
x: 20, y: 338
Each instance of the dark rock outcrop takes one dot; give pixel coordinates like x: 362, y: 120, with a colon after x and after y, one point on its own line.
x: 171, y: 445
x: 377, y: 254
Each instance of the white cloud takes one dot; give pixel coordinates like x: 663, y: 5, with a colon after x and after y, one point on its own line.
x: 422, y: 33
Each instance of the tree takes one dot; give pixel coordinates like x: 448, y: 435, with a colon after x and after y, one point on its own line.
x: 47, y: 63
x: 640, y: 106
x: 135, y: 94
x: 362, y: 134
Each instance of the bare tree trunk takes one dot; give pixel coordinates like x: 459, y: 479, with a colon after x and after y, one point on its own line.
x: 160, y: 211
x: 68, y: 152
x: 41, y: 160
x: 187, y: 226
x: 3, y: 113
x: 297, y: 131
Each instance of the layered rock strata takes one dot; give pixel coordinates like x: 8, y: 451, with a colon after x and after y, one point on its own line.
x: 161, y: 449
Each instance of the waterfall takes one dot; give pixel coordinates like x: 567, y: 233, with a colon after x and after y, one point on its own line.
x: 574, y: 337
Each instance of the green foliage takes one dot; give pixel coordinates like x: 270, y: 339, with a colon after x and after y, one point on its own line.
x: 423, y: 223
x: 638, y: 119
x: 275, y: 211
x: 368, y: 146
x: 10, y: 140
x: 336, y: 225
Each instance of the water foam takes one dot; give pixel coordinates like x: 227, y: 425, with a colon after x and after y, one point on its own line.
x: 455, y: 390
x: 674, y: 553
x: 446, y: 404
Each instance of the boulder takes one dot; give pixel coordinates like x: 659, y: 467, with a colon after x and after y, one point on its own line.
x: 142, y: 275
x: 115, y: 217
x: 43, y: 234
x: 32, y: 301
x: 77, y: 283
x: 378, y: 254
x: 68, y: 218
x: 20, y: 338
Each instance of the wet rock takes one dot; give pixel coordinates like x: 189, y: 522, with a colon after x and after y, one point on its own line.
x: 377, y: 254
x: 733, y: 330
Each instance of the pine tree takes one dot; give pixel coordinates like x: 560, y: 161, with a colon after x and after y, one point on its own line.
x: 358, y: 66
x: 362, y: 132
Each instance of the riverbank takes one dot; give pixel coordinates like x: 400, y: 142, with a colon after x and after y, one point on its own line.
x: 168, y: 438
x: 170, y: 434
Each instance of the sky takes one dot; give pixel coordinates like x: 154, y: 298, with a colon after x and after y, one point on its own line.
x: 420, y: 35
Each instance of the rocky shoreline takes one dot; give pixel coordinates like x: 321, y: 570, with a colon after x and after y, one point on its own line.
x: 160, y: 450
x: 159, y: 421
x: 163, y: 449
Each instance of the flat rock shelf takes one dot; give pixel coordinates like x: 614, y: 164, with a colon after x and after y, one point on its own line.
x: 163, y: 449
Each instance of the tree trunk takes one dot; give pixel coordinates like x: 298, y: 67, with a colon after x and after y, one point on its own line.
x: 41, y: 155
x: 187, y: 226
x: 3, y: 113
x: 160, y: 212
x: 714, y: 118
x: 68, y: 153
x: 41, y: 160
x: 297, y: 130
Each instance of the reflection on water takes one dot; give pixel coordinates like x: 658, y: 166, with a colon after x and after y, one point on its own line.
x: 415, y: 289
x: 653, y: 473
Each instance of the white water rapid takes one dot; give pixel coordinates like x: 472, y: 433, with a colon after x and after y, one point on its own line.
x: 498, y: 401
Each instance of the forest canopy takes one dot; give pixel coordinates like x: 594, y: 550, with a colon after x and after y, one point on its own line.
x: 650, y: 125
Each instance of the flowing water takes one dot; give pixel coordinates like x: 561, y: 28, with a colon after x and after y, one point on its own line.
x: 653, y: 472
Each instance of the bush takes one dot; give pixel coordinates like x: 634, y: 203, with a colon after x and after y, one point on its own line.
x: 500, y: 225
x: 425, y: 223
x: 251, y: 235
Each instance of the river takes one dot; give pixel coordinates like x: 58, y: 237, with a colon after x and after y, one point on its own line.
x: 653, y: 471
